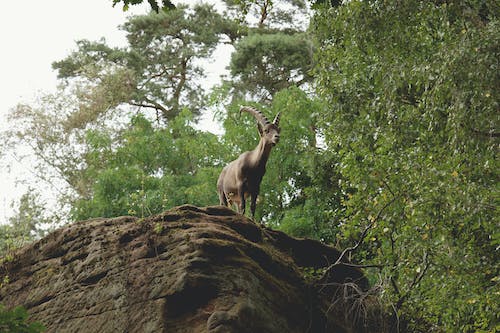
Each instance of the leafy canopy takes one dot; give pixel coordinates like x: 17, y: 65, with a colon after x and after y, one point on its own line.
x: 15, y: 321
x: 412, y: 89
x: 159, y: 70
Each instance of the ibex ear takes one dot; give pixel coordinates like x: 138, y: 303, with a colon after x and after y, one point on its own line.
x: 261, y: 130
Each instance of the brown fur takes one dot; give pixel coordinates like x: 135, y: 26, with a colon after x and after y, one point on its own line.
x: 241, y: 178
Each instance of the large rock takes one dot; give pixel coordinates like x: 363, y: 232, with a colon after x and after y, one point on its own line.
x: 187, y: 270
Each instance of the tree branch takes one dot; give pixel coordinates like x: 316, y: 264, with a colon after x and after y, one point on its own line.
x: 152, y: 105
x: 157, y: 75
x: 484, y: 133
x: 415, y: 282
x: 263, y: 13
x: 363, y: 266
x: 360, y: 241
x: 490, y: 133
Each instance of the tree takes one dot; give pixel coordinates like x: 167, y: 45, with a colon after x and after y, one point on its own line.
x: 164, y: 5
x: 29, y: 222
x: 265, y: 63
x: 107, y: 88
x: 42, y: 135
x: 101, y: 152
x: 412, y: 95
x: 150, y: 169
x: 272, y: 51
x: 30, y: 215
x: 159, y: 70
x: 15, y: 321
x: 289, y: 15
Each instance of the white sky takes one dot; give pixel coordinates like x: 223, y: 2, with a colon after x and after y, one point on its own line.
x: 33, y: 34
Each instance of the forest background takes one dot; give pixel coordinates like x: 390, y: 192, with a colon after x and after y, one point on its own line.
x: 389, y: 136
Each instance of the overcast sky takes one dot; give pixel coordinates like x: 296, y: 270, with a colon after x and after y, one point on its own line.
x: 33, y: 34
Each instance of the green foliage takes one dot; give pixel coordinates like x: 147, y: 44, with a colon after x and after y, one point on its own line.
x: 290, y: 187
x: 25, y: 225
x: 16, y: 321
x: 312, y: 274
x: 157, y: 71
x: 299, y: 192
x: 149, y: 168
x: 164, y: 5
x: 264, y: 64
x: 269, y: 14
x: 43, y: 131
x: 413, y: 92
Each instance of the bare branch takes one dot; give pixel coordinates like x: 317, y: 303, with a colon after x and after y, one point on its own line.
x: 157, y: 75
x: 363, y: 266
x: 360, y: 241
x: 152, y: 105
x: 388, y: 187
x: 395, y: 286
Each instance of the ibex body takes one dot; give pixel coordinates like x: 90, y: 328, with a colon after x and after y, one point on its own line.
x: 241, y: 178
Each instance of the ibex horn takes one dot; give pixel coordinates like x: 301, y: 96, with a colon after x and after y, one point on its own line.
x: 256, y: 113
x: 276, y: 120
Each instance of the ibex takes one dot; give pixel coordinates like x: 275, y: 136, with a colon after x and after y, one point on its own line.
x: 242, y: 177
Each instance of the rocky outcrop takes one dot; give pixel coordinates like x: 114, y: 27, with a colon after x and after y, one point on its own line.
x: 187, y: 270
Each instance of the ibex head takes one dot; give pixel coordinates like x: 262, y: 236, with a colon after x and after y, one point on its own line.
x: 269, y: 132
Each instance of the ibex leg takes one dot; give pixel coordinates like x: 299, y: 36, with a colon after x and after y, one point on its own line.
x: 241, y: 192
x: 253, y: 204
x: 242, y: 205
x: 222, y: 198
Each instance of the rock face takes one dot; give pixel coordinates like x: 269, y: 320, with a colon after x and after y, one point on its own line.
x: 187, y: 270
